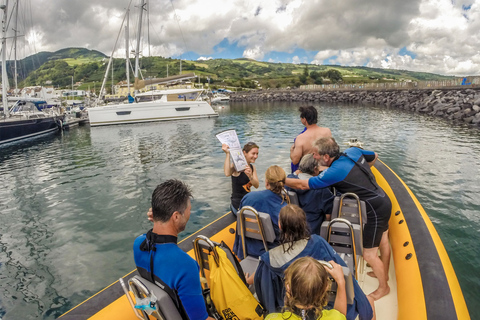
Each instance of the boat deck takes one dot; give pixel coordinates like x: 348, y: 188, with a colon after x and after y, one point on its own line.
x: 387, y: 307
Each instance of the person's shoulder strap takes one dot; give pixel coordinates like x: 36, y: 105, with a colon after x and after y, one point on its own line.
x: 149, y: 244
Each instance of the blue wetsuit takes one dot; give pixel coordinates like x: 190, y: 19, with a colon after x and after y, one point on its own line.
x: 316, y: 204
x: 262, y: 201
x: 350, y: 172
x: 174, y: 267
x: 269, y: 285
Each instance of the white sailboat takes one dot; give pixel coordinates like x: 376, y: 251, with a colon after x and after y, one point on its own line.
x: 157, y: 105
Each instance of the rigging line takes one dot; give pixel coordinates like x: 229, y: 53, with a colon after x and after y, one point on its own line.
x: 181, y: 32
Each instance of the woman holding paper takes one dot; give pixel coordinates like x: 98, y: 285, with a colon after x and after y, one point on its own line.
x: 244, y: 179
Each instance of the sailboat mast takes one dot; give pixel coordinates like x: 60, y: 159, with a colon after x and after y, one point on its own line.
x: 15, y: 73
x: 137, y: 51
x: 4, y: 58
x: 127, y: 56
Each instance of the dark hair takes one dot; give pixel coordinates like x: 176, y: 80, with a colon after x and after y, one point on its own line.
x: 168, y: 197
x: 293, y: 224
x: 309, y: 113
x: 249, y: 146
x: 327, y: 146
x: 308, y: 164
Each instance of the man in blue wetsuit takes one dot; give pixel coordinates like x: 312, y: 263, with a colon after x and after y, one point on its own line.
x: 350, y: 172
x: 160, y: 260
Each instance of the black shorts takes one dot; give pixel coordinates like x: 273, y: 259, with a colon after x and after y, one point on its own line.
x: 378, y: 213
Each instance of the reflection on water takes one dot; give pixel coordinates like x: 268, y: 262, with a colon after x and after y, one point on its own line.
x: 71, y: 204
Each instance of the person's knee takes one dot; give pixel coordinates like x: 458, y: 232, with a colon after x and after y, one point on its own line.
x: 370, y: 254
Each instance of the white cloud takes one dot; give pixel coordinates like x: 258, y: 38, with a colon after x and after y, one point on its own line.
x: 296, y: 60
x: 255, y: 53
x: 204, y: 58
x: 442, y: 34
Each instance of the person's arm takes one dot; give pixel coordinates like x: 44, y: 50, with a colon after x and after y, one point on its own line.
x: 296, y: 151
x: 341, y: 297
x: 227, y: 166
x: 252, y: 175
x: 297, y: 183
x: 371, y: 163
x: 189, y: 288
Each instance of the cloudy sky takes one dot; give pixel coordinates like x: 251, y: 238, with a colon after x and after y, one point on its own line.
x: 439, y: 36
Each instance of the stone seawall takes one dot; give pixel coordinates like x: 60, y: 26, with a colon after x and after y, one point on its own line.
x: 459, y: 105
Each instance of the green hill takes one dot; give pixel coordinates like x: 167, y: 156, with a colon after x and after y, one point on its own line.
x: 88, y: 66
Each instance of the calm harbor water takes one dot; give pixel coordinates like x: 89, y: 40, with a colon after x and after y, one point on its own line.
x: 71, y: 204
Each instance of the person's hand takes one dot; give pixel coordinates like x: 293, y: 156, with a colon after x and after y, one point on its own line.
x: 225, y: 147
x: 248, y: 172
x: 249, y: 278
x: 322, y: 168
x: 150, y: 214
x: 336, y: 272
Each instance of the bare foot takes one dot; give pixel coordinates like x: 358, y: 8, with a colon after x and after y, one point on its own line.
x: 371, y: 274
x: 379, y: 293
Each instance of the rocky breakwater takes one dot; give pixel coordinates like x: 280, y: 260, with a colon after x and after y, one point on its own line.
x: 459, y: 105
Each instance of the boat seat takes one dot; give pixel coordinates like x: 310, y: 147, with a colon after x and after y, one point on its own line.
x: 347, y: 206
x: 345, y: 231
x: 150, y: 299
x: 254, y: 225
x: 349, y: 288
x: 292, y: 195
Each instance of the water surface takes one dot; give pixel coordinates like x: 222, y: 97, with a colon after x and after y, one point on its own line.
x: 71, y: 204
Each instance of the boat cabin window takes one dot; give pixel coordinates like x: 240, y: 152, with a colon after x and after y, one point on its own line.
x: 24, y: 106
x: 152, y: 97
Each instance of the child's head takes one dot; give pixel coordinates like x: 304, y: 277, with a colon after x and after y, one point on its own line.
x: 275, y: 176
x: 293, y: 225
x: 306, y: 284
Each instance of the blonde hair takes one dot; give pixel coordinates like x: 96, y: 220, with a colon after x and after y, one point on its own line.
x: 276, y: 178
x: 306, y: 283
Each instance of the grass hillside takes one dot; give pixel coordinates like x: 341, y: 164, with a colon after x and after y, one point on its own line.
x: 88, y: 67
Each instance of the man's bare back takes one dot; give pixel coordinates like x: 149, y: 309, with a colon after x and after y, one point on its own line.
x: 304, y: 141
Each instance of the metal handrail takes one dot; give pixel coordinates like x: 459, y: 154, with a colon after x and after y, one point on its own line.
x: 360, y: 218
x: 242, y: 228
x: 197, y: 251
x: 352, y: 236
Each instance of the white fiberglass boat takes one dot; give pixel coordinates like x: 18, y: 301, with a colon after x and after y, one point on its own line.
x: 157, y: 105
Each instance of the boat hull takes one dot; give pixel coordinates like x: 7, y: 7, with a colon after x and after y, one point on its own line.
x: 14, y: 130
x: 149, y: 111
x: 427, y: 286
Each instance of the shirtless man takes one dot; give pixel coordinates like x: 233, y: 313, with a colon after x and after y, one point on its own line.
x: 304, y: 141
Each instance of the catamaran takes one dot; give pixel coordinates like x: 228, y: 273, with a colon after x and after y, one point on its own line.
x: 156, y: 105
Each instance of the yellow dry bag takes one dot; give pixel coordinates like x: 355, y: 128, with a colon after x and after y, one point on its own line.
x: 230, y: 295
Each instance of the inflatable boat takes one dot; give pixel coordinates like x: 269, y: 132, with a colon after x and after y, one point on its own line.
x: 421, y: 277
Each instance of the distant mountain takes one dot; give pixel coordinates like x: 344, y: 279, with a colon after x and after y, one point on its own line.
x: 33, y: 62
x: 88, y: 66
